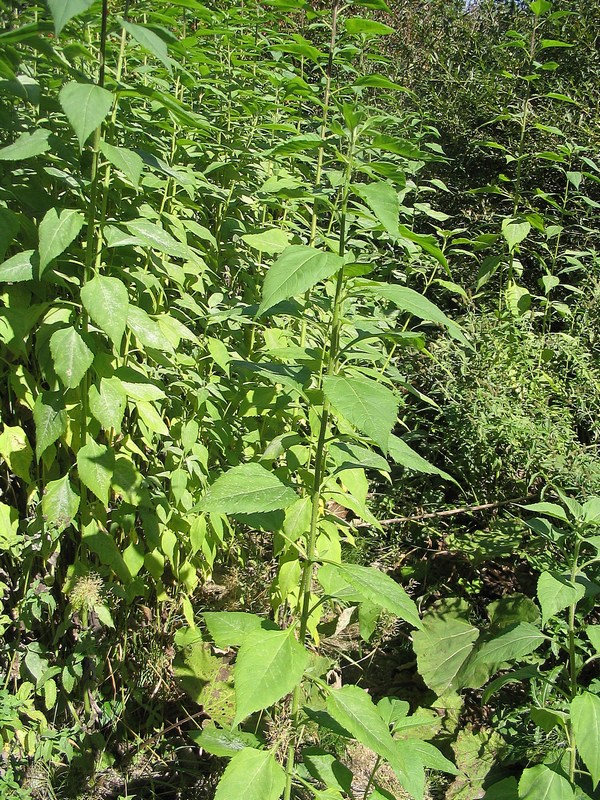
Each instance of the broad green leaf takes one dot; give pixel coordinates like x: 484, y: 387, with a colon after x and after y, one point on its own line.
x: 354, y: 710
x: 207, y: 679
x: 327, y: 769
x: 443, y: 646
x: 107, y: 301
x: 126, y: 161
x: 247, y: 489
x: 19, y: 267
x: 518, y: 641
x: 107, y: 404
x: 86, y: 106
x: 271, y: 241
x: 152, y: 235
x: 381, y: 590
x: 151, y: 417
x: 71, y: 356
x: 347, y: 455
x: 60, y: 503
x: 401, y: 147
x: 269, y: 665
x: 95, y: 464
x: 296, y: 271
x: 16, y: 451
x: 591, y: 509
x: 382, y: 199
x: 549, y: 509
x: 26, y: 145
x: 297, y: 144
x: 10, y: 225
x: 585, y: 719
x: 252, y: 775
x: 514, y: 231
x: 402, y: 454
x: 290, y: 375
x: 50, y: 418
x: 364, y: 403
x: 149, y: 41
x: 425, y: 243
x: 223, y: 743
x: 64, y: 10
x: 367, y: 27
x: 410, y: 301
x: 379, y: 82
x: 555, y: 592
x: 147, y: 330
x: 593, y: 634
x: 230, y: 628
x: 542, y: 783
x: 57, y: 231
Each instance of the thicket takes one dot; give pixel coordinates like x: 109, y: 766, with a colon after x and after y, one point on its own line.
x: 299, y: 346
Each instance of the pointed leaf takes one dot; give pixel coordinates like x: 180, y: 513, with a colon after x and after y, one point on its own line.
x: 252, y: 775
x: 269, y: 665
x: 149, y: 41
x: 26, y: 145
x: 402, y: 454
x: 71, y: 356
x: 95, y: 464
x: 86, y: 106
x: 152, y: 235
x: 514, y: 231
x: 126, y: 161
x: 19, y: 267
x: 108, y: 403
x: 16, y: 451
x: 57, y: 230
x: 366, y: 404
x: 382, y: 199
x: 585, y: 719
x: 296, y: 271
x: 60, y: 503
x: 247, y: 489
x: 367, y: 27
x: 64, y: 10
x: 50, y: 418
x: 270, y: 241
x: 555, y: 593
x: 516, y: 642
x: 542, y: 783
x: 107, y: 301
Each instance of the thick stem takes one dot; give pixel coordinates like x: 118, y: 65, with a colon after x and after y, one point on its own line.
x: 573, y: 663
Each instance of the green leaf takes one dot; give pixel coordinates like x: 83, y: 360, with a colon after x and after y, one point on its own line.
x: 555, y: 592
x: 252, y: 775
x: 149, y: 414
x: 223, y: 743
x: 515, y: 231
x: 71, y: 356
x: 443, y: 645
x: 19, y: 267
x: 269, y: 665
x: 327, y: 769
x: 549, y: 509
x: 230, y: 628
x: 379, y: 589
x: 382, y: 199
x: 272, y: 241
x: 354, y: 710
x: 60, y: 503
x: 516, y: 642
x: 367, y: 27
x: 153, y: 236
x: 107, y: 301
x: 425, y: 243
x: 95, y: 464
x: 26, y: 145
x: 542, y: 783
x: 107, y: 404
x: 247, y: 489
x: 347, y: 455
x: 86, y: 106
x: 57, y: 230
x: 126, y: 161
x: 410, y: 301
x: 296, y: 271
x: 64, y: 10
x: 585, y: 719
x: 402, y: 454
x: 50, y: 418
x: 146, y: 330
x: 149, y: 41
x: 16, y: 451
x: 366, y: 404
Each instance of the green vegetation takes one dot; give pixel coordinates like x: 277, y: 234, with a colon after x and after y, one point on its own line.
x: 300, y: 418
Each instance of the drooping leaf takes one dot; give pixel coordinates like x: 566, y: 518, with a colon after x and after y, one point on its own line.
x: 147, y: 330
x: 366, y: 404
x: 107, y: 301
x: 71, y: 356
x: 273, y: 240
x: 64, y: 10
x: 224, y: 743
x: 382, y: 199
x: 153, y: 236
x: 95, y: 464
x: 57, y: 230
x: 26, y: 145
x: 207, y: 679
x: 149, y: 41
x: 50, y: 418
x: 107, y: 404
x: 230, y: 628
x: 126, y: 161
x: 556, y: 592
x: 516, y: 642
x: 542, y: 783
x: 60, y: 503
x: 585, y: 719
x: 253, y: 775
x: 247, y: 489
x: 268, y: 666
x: 367, y: 27
x: 402, y: 454
x: 515, y: 231
x: 19, y: 268
x: 86, y: 106
x: 296, y: 271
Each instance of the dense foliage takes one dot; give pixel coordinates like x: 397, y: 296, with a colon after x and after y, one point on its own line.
x: 300, y: 417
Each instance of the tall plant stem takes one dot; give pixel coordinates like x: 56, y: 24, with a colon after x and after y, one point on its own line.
x: 573, y: 663
x: 320, y: 462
